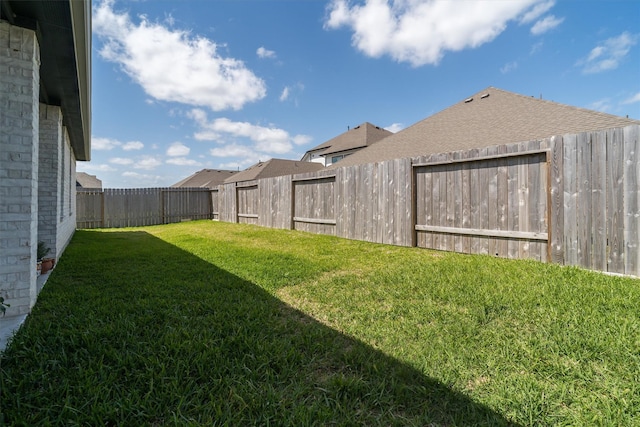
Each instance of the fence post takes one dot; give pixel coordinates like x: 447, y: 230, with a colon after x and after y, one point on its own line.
x: 293, y: 202
x: 102, y: 209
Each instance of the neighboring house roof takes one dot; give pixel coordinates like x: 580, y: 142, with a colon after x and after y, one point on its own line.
x: 490, y: 117
x: 274, y: 167
x: 206, y: 178
x: 84, y: 180
x: 358, y: 137
x: 63, y: 29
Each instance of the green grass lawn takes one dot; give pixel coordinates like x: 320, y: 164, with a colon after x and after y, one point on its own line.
x: 206, y: 323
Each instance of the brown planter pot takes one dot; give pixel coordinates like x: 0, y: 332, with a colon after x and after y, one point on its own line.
x: 47, y: 264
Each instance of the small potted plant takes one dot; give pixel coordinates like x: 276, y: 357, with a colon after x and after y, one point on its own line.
x: 3, y: 305
x: 46, y: 264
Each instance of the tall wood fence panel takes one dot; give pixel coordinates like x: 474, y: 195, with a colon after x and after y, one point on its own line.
x: 600, y: 200
x: 314, y: 207
x: 179, y: 205
x: 275, y: 209
x: 227, y: 202
x: 89, y: 211
x: 490, y: 201
x: 374, y: 202
x: 135, y: 207
x: 247, y: 200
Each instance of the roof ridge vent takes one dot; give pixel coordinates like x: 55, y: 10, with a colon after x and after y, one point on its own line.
x: 468, y: 100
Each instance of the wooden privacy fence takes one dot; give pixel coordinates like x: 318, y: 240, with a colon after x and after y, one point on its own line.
x: 134, y: 207
x: 570, y: 199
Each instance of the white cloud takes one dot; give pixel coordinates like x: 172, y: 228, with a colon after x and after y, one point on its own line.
x: 270, y: 140
x: 301, y: 139
x: 147, y: 163
x: 132, y: 145
x: 421, y: 31
x: 603, y: 105
x: 509, y: 67
x: 121, y: 161
x: 536, y: 11
x: 178, y: 149
x: 608, y: 55
x: 105, y: 144
x: 291, y: 92
x: 265, y: 53
x: 395, y: 127
x: 240, y: 165
x: 537, y: 47
x: 92, y: 167
x: 173, y: 65
x: 285, y: 94
x: 183, y: 161
x: 546, y: 24
x: 232, y: 150
x: 635, y: 98
x: 143, y: 180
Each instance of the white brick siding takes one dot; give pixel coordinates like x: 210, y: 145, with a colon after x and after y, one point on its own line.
x: 37, y: 170
x: 67, y: 221
x: 49, y: 177
x: 19, y: 120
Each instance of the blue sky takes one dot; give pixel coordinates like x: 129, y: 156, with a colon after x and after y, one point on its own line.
x: 179, y: 86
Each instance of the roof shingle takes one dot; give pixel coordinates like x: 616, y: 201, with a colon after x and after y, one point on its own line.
x: 274, y: 167
x: 358, y: 137
x: 206, y: 178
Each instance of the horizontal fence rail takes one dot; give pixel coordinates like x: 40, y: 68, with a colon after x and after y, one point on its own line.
x: 135, y: 207
x: 568, y: 199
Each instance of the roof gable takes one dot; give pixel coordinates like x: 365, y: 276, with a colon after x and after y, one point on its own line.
x: 358, y: 137
x: 206, y: 178
x: 84, y: 180
x: 490, y: 117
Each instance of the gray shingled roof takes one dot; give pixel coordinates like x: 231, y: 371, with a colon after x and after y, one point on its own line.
x: 274, y: 167
x: 490, y: 117
x: 84, y: 180
x: 360, y: 136
x: 206, y: 178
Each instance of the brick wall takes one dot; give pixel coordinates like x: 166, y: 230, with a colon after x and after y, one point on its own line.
x: 19, y: 122
x: 67, y: 221
x: 51, y: 137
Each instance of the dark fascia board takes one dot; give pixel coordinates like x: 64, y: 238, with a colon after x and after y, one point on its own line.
x: 63, y: 29
x: 81, y: 22
x: 331, y: 153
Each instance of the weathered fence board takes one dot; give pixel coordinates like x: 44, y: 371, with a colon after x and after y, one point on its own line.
x: 615, y: 200
x: 215, y: 204
x: 631, y: 199
x: 599, y: 201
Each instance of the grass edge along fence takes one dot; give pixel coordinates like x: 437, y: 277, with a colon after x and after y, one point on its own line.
x: 569, y: 199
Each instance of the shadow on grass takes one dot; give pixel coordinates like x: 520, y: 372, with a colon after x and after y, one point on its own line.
x: 131, y: 330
